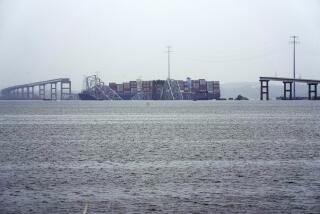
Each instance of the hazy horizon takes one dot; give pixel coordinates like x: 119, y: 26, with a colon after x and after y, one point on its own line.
x: 121, y: 40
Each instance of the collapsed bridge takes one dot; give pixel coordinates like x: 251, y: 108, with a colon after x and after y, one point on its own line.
x: 95, y: 89
x: 38, y: 90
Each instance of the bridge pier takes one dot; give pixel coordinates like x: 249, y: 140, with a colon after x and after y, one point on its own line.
x: 26, y: 95
x: 16, y: 92
x: 22, y: 92
x: 314, y: 91
x: 66, y: 85
x: 32, y: 92
x: 286, y: 89
x: 42, y: 91
x: 28, y: 92
x: 53, y: 91
x: 264, y: 89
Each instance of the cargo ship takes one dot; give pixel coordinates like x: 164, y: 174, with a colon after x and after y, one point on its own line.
x: 169, y: 89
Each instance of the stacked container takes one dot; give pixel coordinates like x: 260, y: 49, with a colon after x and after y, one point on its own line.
x: 210, y: 85
x: 202, y: 85
x: 157, y: 87
x: 216, y: 89
x: 133, y: 87
x: 126, y: 89
x: 181, y: 85
x: 200, y: 89
x: 147, y: 86
x: 120, y: 88
x: 195, y: 86
x: 113, y: 86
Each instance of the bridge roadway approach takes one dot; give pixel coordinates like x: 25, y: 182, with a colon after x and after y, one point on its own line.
x: 287, y: 87
x: 37, y: 90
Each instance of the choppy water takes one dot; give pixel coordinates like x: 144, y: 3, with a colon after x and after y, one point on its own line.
x: 166, y: 157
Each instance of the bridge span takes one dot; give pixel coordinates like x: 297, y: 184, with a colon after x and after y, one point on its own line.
x: 37, y: 90
x: 287, y: 87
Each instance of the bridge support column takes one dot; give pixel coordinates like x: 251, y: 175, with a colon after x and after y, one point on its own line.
x: 28, y: 92
x: 286, y: 89
x: 22, y: 93
x: 264, y: 89
x: 42, y: 91
x: 65, y: 89
x: 16, y: 93
x: 314, y: 91
x: 53, y: 91
x: 32, y: 92
x: 12, y: 94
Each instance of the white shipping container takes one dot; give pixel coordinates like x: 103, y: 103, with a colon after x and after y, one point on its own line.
x: 195, y: 85
x: 126, y: 85
x: 119, y: 87
x: 202, y: 81
x: 210, y: 86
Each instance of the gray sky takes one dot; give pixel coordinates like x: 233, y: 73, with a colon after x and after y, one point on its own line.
x: 226, y: 40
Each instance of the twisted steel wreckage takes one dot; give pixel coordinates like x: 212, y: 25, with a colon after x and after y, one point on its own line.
x: 170, y: 89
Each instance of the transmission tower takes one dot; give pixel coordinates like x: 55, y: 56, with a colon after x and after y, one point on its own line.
x: 169, y: 51
x: 294, y: 42
x: 171, y: 89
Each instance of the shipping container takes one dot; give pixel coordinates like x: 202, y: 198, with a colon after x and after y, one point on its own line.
x: 211, y: 96
x: 210, y: 85
x: 147, y: 86
x: 216, y: 90
x: 133, y: 84
x: 113, y: 86
x: 146, y: 83
x: 119, y: 87
x: 181, y: 84
x: 203, y: 88
x: 202, y: 81
x: 195, y: 83
x: 185, y: 84
x: 126, y: 86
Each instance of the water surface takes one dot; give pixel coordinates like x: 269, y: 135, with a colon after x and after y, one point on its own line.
x: 165, y: 157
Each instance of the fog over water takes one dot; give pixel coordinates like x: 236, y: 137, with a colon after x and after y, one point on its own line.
x: 163, y: 157
x: 121, y: 40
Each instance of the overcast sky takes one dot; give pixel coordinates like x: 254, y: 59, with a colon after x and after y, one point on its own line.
x: 226, y: 40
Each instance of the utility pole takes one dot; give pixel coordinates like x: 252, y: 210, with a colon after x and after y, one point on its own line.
x: 294, y: 42
x: 169, y: 51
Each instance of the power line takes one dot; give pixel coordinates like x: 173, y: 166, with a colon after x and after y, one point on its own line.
x: 232, y: 59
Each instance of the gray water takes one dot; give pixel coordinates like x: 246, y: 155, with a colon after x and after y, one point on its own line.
x: 162, y: 157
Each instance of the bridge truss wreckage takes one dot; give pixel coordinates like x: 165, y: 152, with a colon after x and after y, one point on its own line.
x: 95, y: 89
x: 171, y: 90
x: 161, y: 90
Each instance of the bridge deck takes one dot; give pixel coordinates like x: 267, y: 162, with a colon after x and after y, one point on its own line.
x: 283, y: 79
x: 63, y: 80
